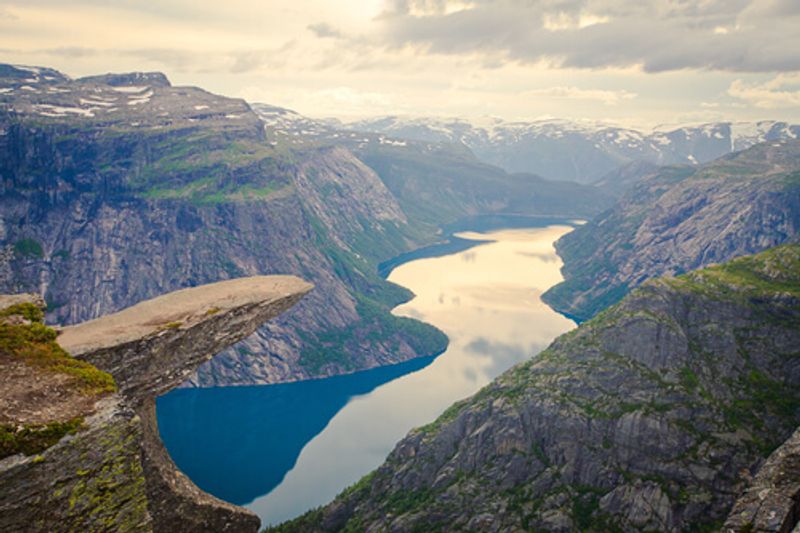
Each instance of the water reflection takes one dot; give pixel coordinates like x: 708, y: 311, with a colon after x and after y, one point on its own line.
x: 238, y: 442
x: 489, y: 307
x: 303, y: 442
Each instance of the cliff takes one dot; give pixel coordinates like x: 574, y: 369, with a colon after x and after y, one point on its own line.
x: 81, y: 450
x: 772, y: 500
x: 654, y: 415
x: 680, y: 219
x: 118, y: 188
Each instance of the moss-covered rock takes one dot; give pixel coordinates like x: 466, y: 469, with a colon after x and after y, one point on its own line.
x: 108, y: 470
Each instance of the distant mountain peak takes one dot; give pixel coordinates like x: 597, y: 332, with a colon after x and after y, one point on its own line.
x: 580, y: 150
x: 153, y: 79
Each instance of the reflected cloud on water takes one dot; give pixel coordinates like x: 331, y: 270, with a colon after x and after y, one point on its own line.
x: 272, y: 445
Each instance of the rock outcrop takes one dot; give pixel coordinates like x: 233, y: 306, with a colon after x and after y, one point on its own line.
x: 772, y: 501
x: 652, y: 416
x: 680, y: 219
x: 112, y: 473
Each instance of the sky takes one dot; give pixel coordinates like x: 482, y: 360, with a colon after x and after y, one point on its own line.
x: 637, y: 63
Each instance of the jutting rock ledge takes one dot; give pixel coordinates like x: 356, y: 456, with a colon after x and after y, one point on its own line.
x: 111, y: 471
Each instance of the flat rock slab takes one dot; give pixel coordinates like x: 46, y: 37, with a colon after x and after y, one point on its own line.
x: 155, y: 345
x: 176, y: 310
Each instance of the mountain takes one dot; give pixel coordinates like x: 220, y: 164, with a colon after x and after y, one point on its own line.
x: 434, y: 180
x: 652, y: 416
x: 79, y: 442
x: 581, y: 151
x: 120, y: 187
x: 679, y: 219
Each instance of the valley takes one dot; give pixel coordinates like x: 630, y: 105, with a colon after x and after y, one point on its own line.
x: 433, y: 379
x: 484, y: 298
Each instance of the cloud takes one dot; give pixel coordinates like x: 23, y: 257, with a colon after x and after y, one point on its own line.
x: 655, y: 35
x: 352, y: 97
x: 5, y: 13
x: 325, y: 31
x: 780, y: 92
x: 609, y: 98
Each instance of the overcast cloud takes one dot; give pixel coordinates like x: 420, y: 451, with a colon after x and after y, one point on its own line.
x: 636, y: 62
x: 656, y: 35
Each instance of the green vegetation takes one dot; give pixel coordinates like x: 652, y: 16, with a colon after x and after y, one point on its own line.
x: 205, y: 168
x: 309, y: 521
x: 32, y: 439
x: 207, y: 191
x: 26, y: 310
x: 406, y: 501
x: 170, y: 325
x: 689, y: 379
x: 376, y: 326
x: 375, y: 297
x: 747, y: 279
x: 111, y: 487
x: 584, y: 505
x: 36, y: 345
x: 30, y: 248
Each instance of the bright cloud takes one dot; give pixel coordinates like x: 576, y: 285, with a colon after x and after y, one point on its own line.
x: 783, y: 91
x: 574, y: 93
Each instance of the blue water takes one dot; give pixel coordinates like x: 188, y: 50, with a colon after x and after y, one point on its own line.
x: 283, y: 449
x: 238, y: 443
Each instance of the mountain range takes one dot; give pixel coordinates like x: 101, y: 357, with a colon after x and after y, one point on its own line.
x: 678, y: 219
x: 581, y: 151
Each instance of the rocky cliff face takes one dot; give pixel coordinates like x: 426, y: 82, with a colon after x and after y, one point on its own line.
x: 680, y: 219
x: 772, y: 500
x: 652, y: 416
x: 111, y: 471
x: 437, y: 180
x: 118, y: 188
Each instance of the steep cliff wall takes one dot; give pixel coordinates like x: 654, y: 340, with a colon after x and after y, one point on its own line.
x: 654, y: 415
x: 772, y: 500
x: 111, y: 472
x: 118, y: 188
x: 681, y: 219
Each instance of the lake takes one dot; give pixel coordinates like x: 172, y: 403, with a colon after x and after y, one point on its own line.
x: 283, y: 449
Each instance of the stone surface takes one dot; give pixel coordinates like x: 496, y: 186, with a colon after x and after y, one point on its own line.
x: 155, y: 345
x: 771, y: 502
x: 114, y: 474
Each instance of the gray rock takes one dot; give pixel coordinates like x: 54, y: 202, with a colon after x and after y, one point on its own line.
x: 115, y: 474
x: 771, y: 502
x: 681, y: 219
